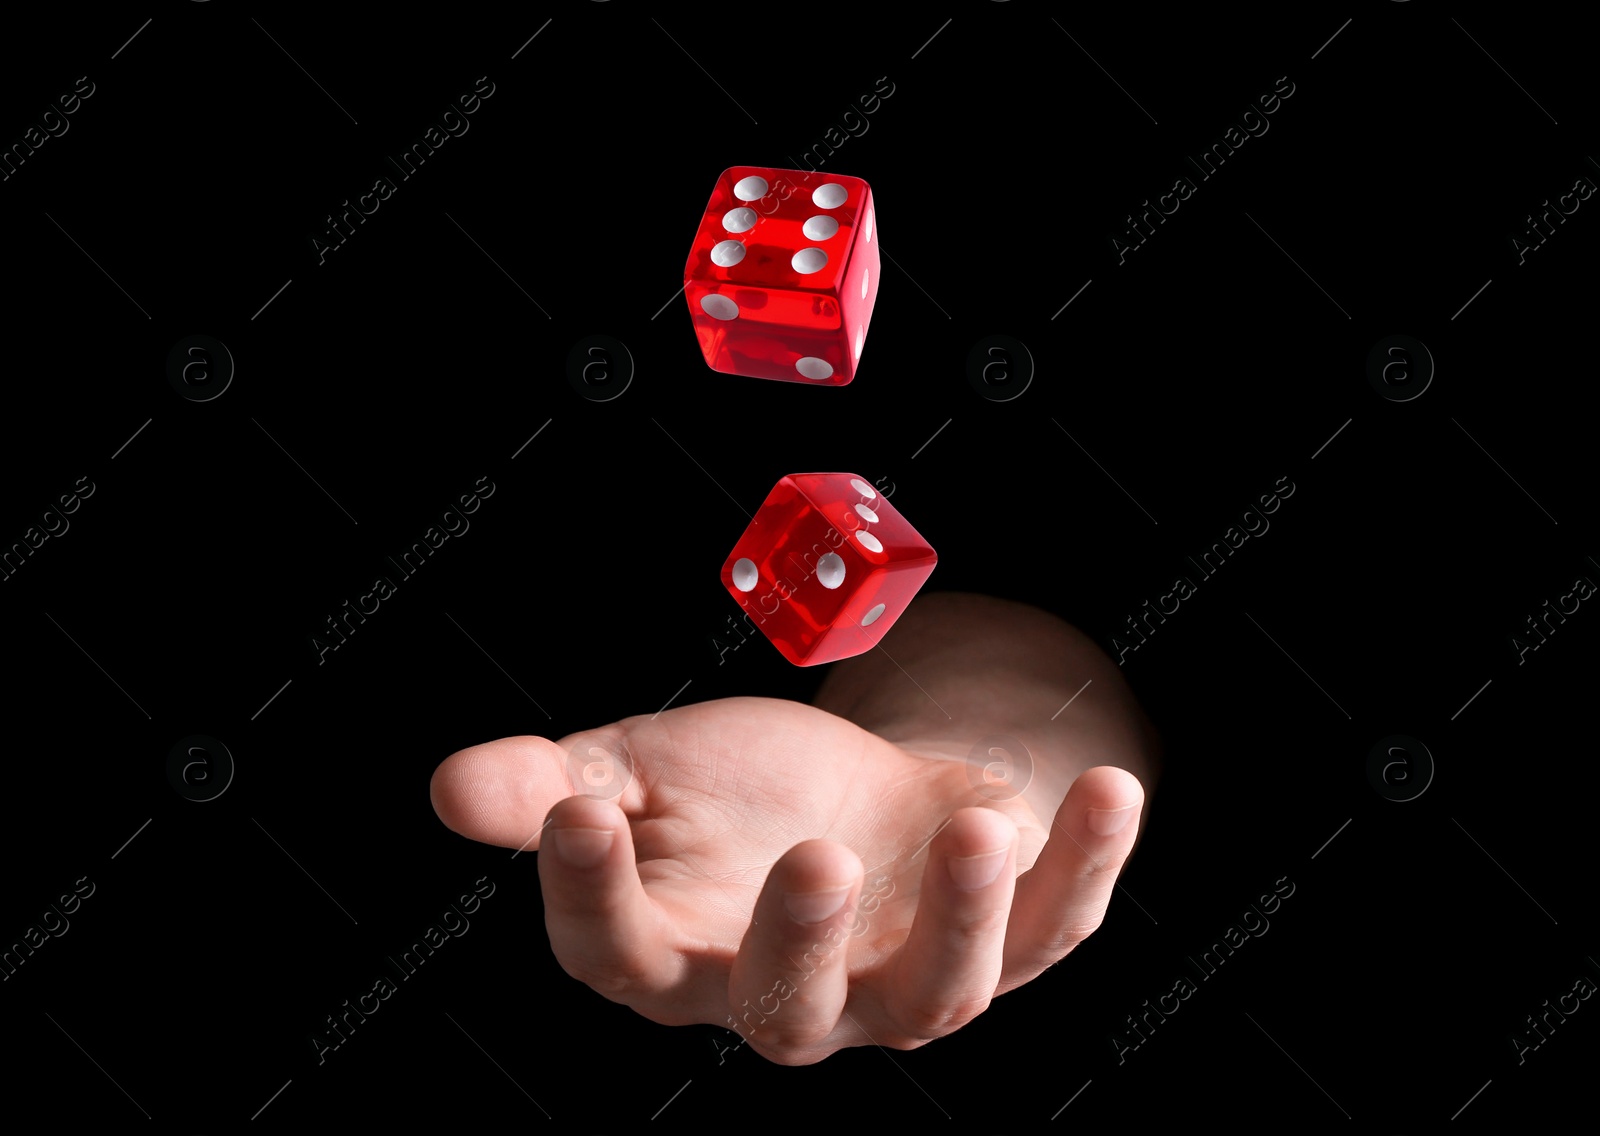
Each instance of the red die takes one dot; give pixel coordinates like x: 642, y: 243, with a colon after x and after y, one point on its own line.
x: 826, y: 567
x: 783, y: 275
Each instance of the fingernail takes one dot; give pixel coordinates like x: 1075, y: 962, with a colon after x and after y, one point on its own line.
x: 814, y: 906
x: 1109, y: 822
x: 973, y: 872
x: 582, y: 847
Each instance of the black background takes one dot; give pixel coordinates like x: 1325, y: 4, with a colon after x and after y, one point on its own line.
x: 375, y: 389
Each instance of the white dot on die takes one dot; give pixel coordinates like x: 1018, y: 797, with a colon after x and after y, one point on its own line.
x: 719, y: 307
x: 751, y: 188
x: 872, y: 616
x: 819, y: 228
x: 830, y: 570
x: 813, y: 368
x: 867, y: 514
x: 726, y: 254
x: 868, y: 541
x: 864, y: 276
x: 809, y: 260
x: 744, y: 574
x: 863, y: 488
x: 739, y: 220
x: 869, y: 225
x: 829, y: 196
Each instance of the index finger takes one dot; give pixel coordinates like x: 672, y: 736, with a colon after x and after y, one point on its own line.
x: 1063, y: 898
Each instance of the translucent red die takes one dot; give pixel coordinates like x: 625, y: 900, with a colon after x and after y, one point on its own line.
x: 826, y: 566
x: 783, y: 275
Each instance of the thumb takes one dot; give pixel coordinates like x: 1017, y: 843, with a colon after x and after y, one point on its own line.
x: 501, y: 792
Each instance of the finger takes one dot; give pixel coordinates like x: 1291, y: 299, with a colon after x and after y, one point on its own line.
x: 790, y: 978
x: 501, y: 792
x: 604, y: 930
x: 947, y: 971
x: 1061, y: 901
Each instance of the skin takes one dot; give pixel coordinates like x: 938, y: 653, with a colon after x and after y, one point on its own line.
x: 689, y: 872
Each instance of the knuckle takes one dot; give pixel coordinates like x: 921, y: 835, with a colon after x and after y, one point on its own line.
x: 1035, y: 961
x: 1074, y: 930
x: 785, y: 1034
x: 976, y: 925
x: 611, y: 986
x: 1105, y: 866
x: 922, y: 1024
x: 607, y: 977
x: 781, y: 1050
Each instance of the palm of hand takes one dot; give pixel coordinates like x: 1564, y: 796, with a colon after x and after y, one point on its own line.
x: 732, y: 805
x: 729, y: 787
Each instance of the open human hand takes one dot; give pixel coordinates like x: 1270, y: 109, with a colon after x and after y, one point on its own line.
x: 775, y: 868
